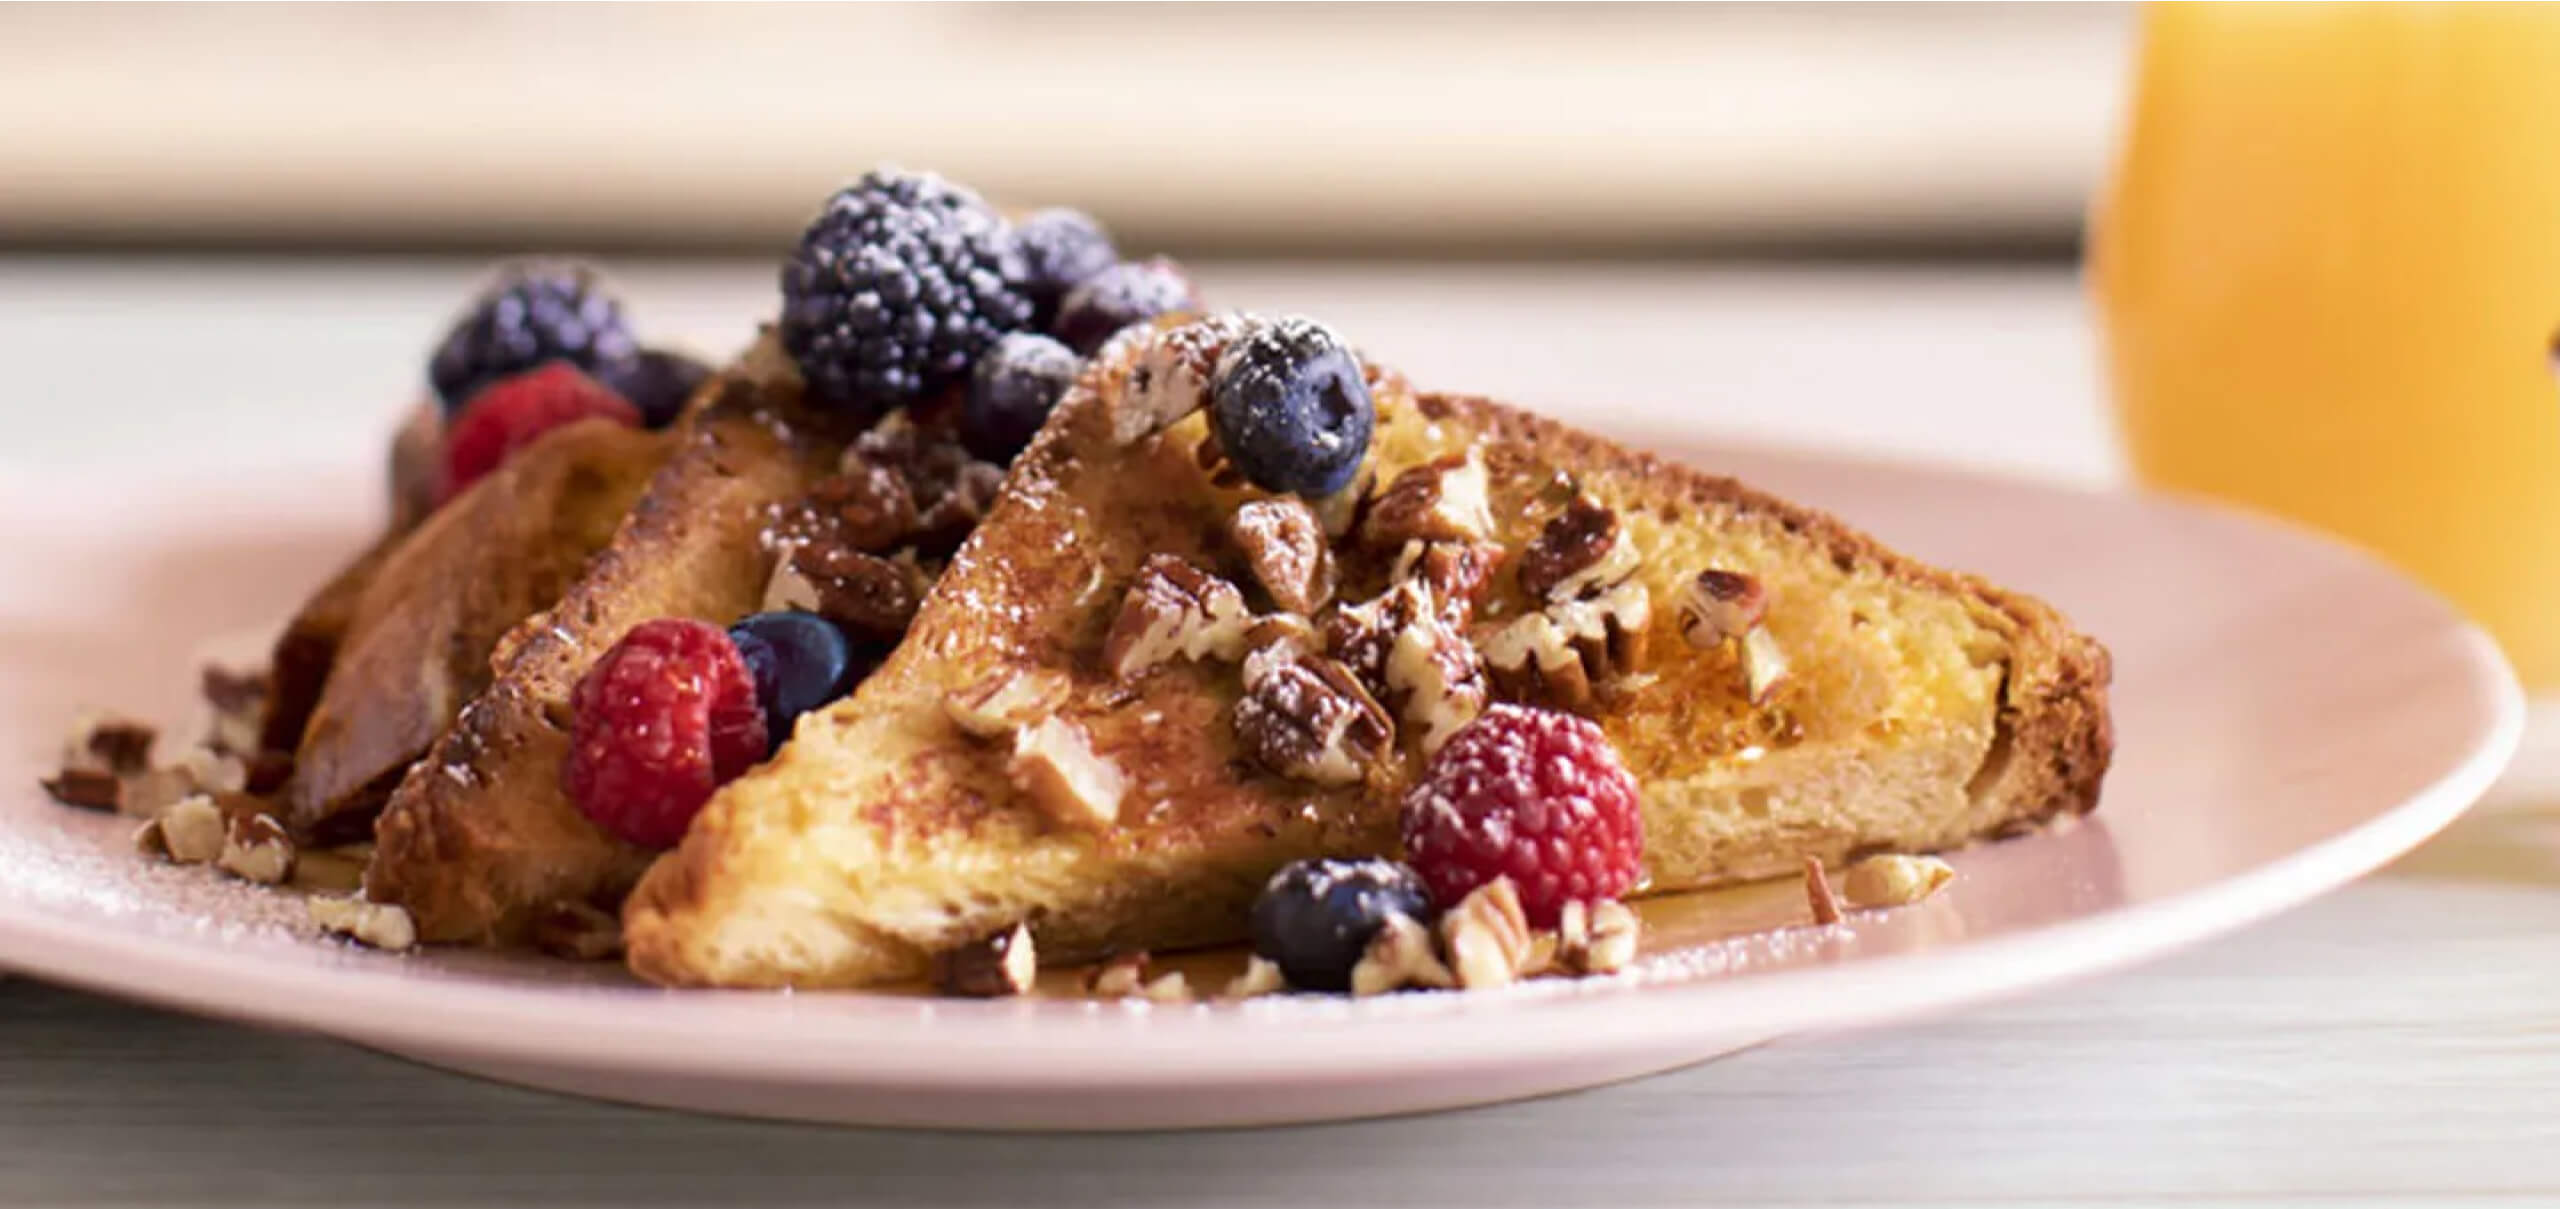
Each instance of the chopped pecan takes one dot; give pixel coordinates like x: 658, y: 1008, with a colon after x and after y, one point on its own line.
x: 1582, y: 549
x: 998, y: 704
x: 869, y: 504
x: 1172, y: 987
x: 238, y: 695
x: 1487, y: 936
x: 1306, y: 716
x: 1763, y: 664
x: 1261, y: 976
x: 1055, y: 764
x: 383, y: 926
x: 1818, y: 895
x: 999, y: 965
x: 86, y: 788
x: 255, y: 848
x: 1574, y: 650
x: 1340, y: 512
x: 1401, y: 955
x: 1174, y: 610
x: 1717, y: 605
x: 1406, y: 652
x: 1456, y: 572
x: 190, y: 832
x: 1438, y: 501
x: 1168, y: 372
x: 870, y: 596
x: 1360, y: 635
x: 109, y: 743
x: 1596, y: 938
x: 949, y: 517
x: 1894, y: 879
x: 1284, y: 546
x: 1122, y: 976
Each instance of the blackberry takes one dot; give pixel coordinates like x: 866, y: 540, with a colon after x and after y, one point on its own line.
x: 1015, y: 385
x: 895, y: 290
x: 1316, y: 916
x: 536, y: 311
x: 657, y: 381
x: 1128, y: 292
x: 1061, y: 248
x: 1291, y: 409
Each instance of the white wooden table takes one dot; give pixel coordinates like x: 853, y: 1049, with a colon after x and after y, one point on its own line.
x: 2394, y: 1043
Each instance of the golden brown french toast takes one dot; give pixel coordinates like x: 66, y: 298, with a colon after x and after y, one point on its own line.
x: 419, y: 623
x: 480, y: 839
x: 1065, y: 739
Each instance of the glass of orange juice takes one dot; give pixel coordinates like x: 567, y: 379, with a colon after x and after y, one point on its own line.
x: 2328, y: 268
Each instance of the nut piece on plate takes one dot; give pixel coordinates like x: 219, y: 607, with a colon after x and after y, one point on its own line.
x: 86, y: 788
x: 1487, y: 936
x: 1583, y: 549
x: 1718, y: 605
x: 577, y: 931
x: 1123, y: 976
x: 1171, y: 988
x: 1002, y: 702
x: 379, y: 925
x: 1818, y: 895
x: 1445, y: 500
x: 1174, y: 609
x: 238, y: 695
x: 1284, y: 545
x: 1261, y: 976
x: 1054, y: 762
x: 255, y: 848
x: 1596, y: 938
x: 1401, y: 955
x: 190, y: 832
x: 1306, y: 716
x: 109, y: 743
x: 1894, y: 879
x: 1000, y: 965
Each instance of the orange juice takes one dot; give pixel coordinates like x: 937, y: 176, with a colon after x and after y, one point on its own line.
x: 2329, y: 273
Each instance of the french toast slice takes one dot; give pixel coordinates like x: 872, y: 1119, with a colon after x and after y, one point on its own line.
x: 479, y: 841
x: 996, y: 770
x: 416, y: 623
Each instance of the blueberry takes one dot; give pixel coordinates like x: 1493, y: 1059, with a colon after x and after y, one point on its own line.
x: 1316, y: 917
x: 1128, y: 292
x: 1062, y: 248
x: 799, y: 661
x: 1291, y: 409
x: 1011, y: 392
x: 658, y: 382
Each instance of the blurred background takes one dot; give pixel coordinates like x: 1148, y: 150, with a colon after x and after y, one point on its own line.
x: 1507, y: 131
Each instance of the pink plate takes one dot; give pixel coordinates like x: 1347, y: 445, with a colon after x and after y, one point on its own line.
x: 2290, y: 716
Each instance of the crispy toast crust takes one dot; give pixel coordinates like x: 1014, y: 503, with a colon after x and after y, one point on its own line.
x: 479, y: 836
x: 883, y: 833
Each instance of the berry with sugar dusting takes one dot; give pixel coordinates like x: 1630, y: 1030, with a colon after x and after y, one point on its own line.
x: 665, y: 718
x: 1291, y: 408
x: 1132, y: 291
x: 536, y: 311
x: 896, y: 289
x: 1061, y: 249
x: 1531, y: 794
x: 658, y: 381
x: 1012, y: 391
x: 513, y: 412
x: 1315, y: 917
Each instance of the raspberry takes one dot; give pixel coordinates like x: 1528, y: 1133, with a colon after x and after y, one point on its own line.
x: 666, y: 717
x: 1531, y: 794
x: 536, y: 311
x: 512, y: 412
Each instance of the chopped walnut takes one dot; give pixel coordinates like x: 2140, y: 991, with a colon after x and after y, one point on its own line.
x: 1818, y: 895
x: 1596, y: 938
x: 1574, y: 650
x: 255, y: 848
x: 1002, y: 702
x: 1581, y: 550
x: 1056, y: 766
x: 1123, y: 976
x: 384, y: 926
x: 1284, y: 545
x: 238, y: 696
x: 1401, y: 955
x: 1439, y: 501
x: 1763, y: 664
x: 1718, y: 605
x: 1894, y: 880
x: 1174, y: 610
x: 1487, y: 936
x: 1306, y: 716
x: 577, y: 931
x: 999, y: 965
x: 109, y: 743
x: 1261, y: 976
